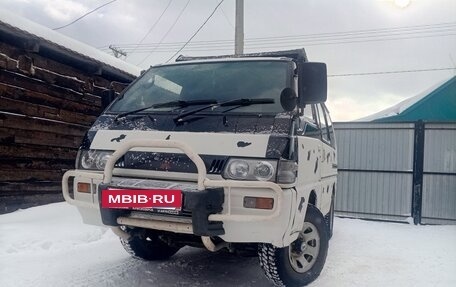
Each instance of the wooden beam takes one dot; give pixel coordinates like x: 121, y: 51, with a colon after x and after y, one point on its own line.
x: 37, y: 152
x: 42, y: 111
x: 10, y: 136
x: 38, y: 98
x: 30, y: 175
x: 28, y: 83
x: 35, y: 124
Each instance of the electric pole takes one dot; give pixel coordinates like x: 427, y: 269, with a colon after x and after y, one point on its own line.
x: 117, y: 52
x: 239, y: 28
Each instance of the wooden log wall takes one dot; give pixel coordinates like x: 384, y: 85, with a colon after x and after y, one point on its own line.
x: 45, y: 109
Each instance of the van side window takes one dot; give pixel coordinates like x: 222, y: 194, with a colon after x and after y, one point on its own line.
x: 308, y: 113
x: 329, y: 124
x: 309, y: 121
x: 323, y: 124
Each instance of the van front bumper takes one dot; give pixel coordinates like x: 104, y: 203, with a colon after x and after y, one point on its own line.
x: 192, y: 218
x: 213, y: 207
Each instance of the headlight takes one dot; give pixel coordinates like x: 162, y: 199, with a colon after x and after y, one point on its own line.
x: 238, y: 169
x: 92, y: 159
x: 264, y: 170
x: 250, y: 169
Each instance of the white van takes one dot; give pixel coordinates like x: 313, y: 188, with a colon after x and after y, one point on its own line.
x: 234, y: 153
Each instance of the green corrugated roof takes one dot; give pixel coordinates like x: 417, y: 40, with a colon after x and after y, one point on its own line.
x: 439, y: 105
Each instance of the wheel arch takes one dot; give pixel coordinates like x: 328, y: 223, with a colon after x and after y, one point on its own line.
x: 313, y: 198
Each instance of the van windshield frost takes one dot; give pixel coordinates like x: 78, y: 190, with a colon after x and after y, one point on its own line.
x: 209, y: 81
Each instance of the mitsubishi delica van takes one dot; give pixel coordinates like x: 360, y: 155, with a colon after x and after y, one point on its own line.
x: 234, y: 153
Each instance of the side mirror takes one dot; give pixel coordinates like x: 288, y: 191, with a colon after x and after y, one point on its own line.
x: 312, y: 83
x: 107, y: 97
x: 288, y: 99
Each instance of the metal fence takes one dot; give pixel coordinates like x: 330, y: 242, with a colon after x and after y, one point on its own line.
x: 395, y: 171
x: 439, y: 174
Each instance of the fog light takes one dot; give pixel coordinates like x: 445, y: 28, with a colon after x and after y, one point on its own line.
x: 84, y: 187
x: 258, y: 202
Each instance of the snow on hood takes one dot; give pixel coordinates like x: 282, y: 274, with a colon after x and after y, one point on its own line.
x: 20, y: 23
x: 229, y: 144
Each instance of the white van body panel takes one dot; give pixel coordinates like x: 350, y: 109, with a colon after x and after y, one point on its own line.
x: 202, y: 143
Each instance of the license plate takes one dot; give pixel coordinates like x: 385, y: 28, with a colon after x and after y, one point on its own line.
x: 142, y: 199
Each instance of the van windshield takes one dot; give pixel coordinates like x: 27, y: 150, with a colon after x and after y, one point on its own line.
x: 220, y: 81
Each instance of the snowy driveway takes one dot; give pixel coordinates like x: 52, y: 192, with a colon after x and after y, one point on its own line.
x: 49, y: 246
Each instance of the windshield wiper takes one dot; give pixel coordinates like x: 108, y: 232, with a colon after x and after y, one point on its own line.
x: 181, y: 104
x: 246, y: 102
x: 235, y: 102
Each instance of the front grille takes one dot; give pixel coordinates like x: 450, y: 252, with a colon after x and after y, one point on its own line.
x: 216, y: 166
x: 169, y: 162
x: 120, y: 162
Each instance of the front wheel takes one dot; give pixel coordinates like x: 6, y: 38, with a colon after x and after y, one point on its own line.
x: 300, y: 263
x: 148, y: 246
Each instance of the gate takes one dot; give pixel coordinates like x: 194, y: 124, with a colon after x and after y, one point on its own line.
x: 397, y: 171
x: 439, y: 174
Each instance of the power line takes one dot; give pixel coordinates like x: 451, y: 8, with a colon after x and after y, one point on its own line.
x: 391, y: 72
x: 226, y: 17
x: 167, y: 32
x: 369, y: 31
x: 347, y: 35
x: 288, y: 45
x: 282, y: 41
x: 86, y: 14
x: 199, y: 29
x: 153, y: 26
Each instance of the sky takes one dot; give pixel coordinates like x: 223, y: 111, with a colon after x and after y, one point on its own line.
x: 350, y: 36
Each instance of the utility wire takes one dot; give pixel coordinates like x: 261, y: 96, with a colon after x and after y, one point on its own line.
x: 391, y: 72
x: 279, y: 45
x: 432, y: 28
x: 199, y: 29
x: 166, y: 34
x: 153, y: 26
x: 226, y: 17
x: 86, y: 14
x: 315, y: 39
x: 295, y: 43
x: 370, y: 31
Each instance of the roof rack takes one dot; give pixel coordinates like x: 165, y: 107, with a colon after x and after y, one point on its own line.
x: 297, y: 54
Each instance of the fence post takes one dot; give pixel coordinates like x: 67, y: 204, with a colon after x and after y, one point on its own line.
x: 418, y: 163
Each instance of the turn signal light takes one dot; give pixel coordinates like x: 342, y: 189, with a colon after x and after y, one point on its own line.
x: 258, y: 202
x: 84, y: 187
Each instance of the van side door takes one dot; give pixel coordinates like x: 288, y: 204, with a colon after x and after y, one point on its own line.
x: 328, y: 159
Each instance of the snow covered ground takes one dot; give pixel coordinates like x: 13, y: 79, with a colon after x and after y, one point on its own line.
x: 49, y: 246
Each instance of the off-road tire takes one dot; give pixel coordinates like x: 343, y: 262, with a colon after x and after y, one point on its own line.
x: 329, y: 219
x: 276, y: 262
x: 148, y: 247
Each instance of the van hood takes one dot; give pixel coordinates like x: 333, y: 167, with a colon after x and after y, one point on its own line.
x: 227, y: 144
x: 249, y: 135
x: 215, y: 139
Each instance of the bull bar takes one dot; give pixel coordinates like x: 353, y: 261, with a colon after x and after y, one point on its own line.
x: 202, y: 183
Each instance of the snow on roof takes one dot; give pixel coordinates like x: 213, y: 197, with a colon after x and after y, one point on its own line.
x: 401, y: 106
x: 65, y: 42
